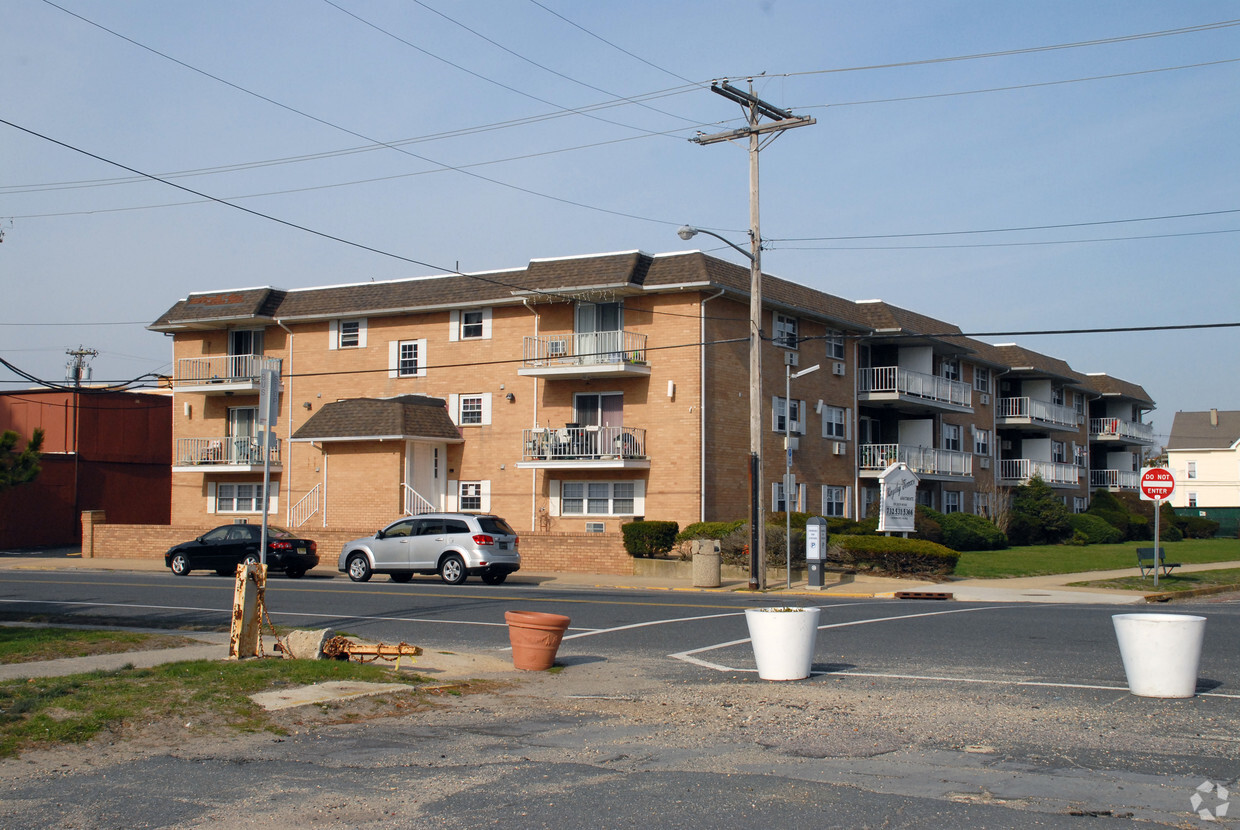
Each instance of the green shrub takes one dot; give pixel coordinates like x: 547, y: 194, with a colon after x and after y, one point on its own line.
x: 734, y: 548
x: 925, y: 525
x: 1090, y: 529
x: 965, y: 531
x: 1196, y: 527
x: 892, y: 555
x: 649, y: 538
x: 708, y: 530
x: 1037, y: 516
x: 850, y: 527
x: 1104, y: 505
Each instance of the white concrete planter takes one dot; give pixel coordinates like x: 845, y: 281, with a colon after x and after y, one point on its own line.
x: 783, y: 641
x: 1161, y: 652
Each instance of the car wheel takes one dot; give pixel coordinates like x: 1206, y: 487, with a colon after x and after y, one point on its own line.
x: 452, y: 569
x: 295, y: 573
x: 494, y: 577
x: 358, y: 568
x: 250, y: 559
x: 402, y: 576
x: 180, y: 564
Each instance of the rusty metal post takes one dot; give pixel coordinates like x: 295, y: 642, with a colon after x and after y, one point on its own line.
x: 247, y: 611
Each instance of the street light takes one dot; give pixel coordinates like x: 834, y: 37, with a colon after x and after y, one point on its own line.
x: 789, y: 484
x: 757, y: 522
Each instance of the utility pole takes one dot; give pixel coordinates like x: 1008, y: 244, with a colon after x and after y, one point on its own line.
x: 77, y: 368
x: 779, y: 120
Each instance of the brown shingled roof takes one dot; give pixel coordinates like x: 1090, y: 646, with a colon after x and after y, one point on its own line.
x: 408, y: 416
x: 1194, y: 430
x: 1114, y: 387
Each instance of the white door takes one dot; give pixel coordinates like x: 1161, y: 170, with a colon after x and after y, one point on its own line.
x: 425, y: 472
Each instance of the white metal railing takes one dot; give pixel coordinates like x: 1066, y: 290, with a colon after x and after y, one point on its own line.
x: 1052, y: 472
x: 223, y: 368
x: 894, y: 379
x: 305, y: 508
x: 583, y: 443
x: 926, y: 460
x: 1036, y: 410
x: 415, y: 504
x: 1118, y: 428
x: 245, y: 451
x: 1114, y: 479
x: 589, y: 349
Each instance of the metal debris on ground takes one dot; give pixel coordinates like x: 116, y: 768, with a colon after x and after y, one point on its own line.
x: 342, y: 648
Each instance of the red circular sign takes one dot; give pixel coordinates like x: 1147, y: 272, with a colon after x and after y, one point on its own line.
x: 1157, y: 483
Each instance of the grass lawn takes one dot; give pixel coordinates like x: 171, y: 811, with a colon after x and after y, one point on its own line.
x: 1172, y: 582
x: 76, y: 708
x: 1062, y: 559
x: 27, y: 645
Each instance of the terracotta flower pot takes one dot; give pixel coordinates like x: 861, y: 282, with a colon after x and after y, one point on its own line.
x: 535, y: 637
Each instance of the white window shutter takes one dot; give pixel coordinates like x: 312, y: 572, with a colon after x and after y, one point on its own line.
x: 454, y: 326
x: 802, y: 495
x: 453, y: 496
x: 454, y: 408
x: 848, y: 424
x: 848, y: 507
x: 486, y: 496
x: 210, y: 496
x: 775, y: 496
x: 486, y: 324
x: 486, y: 408
x: 393, y: 358
x: 273, y: 500
x: 361, y: 333
x: 421, y: 358
x: 639, y: 498
x: 333, y: 334
x: 775, y: 413
x: 804, y: 413
x: 554, y: 497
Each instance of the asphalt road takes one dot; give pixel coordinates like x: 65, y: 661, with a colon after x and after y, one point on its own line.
x: 920, y: 714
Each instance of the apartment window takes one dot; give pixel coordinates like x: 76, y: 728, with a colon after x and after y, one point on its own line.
x: 407, y: 359
x: 1192, y: 499
x: 949, y: 368
x: 350, y: 334
x: 981, y: 379
x: 1057, y: 395
x: 1078, y: 403
x: 1192, y: 469
x: 598, y: 498
x: 1080, y: 455
x: 951, y: 501
x: 835, y: 345
x: 1079, y: 504
x: 834, y: 422
x: 951, y: 437
x: 471, y: 410
x: 471, y: 495
x: 981, y: 504
x: 1059, y: 452
x: 779, y: 505
x: 834, y: 501
x: 785, y: 331
x: 474, y: 324
x: 471, y: 324
x: 779, y: 408
x: 981, y: 442
x: 239, y: 498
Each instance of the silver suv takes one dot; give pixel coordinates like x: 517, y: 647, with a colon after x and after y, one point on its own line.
x: 453, y: 545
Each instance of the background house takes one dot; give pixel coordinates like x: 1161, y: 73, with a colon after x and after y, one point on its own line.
x: 1203, y: 453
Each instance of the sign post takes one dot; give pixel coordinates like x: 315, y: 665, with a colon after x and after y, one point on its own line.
x: 1157, y: 485
x: 268, y: 417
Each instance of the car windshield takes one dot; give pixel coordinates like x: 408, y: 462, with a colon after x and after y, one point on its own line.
x: 495, y: 525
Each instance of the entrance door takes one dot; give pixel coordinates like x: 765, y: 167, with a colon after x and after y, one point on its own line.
x: 425, y: 472
x: 242, y: 435
x: 598, y: 327
x: 243, y: 344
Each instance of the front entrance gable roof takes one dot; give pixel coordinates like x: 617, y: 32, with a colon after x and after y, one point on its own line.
x: 408, y: 417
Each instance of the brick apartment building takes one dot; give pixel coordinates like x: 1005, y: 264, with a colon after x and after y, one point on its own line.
x: 576, y: 394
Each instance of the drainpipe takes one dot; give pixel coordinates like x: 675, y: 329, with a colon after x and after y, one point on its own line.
x: 287, y: 472
x: 533, y: 473
x: 702, y: 404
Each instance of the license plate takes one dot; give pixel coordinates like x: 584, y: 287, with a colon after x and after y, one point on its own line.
x: 503, y: 546
x: 301, y: 549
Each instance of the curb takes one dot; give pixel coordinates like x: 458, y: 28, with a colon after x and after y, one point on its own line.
x: 1167, y: 596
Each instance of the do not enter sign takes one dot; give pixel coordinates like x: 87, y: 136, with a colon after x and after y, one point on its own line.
x: 1157, y: 484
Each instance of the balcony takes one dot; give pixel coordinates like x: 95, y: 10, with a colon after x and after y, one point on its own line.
x: 1120, y: 431
x: 925, y: 461
x: 223, y: 455
x: 906, y: 389
x: 1014, y: 471
x: 588, y: 448
x: 609, y: 353
x: 223, y: 374
x: 1031, y: 412
x: 1114, y: 480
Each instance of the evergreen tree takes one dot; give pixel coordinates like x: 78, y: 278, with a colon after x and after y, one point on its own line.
x: 18, y: 467
x: 1039, y: 516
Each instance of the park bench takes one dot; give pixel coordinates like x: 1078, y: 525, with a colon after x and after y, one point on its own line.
x: 1145, y: 561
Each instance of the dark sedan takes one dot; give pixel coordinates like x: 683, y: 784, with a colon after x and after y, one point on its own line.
x: 223, y: 549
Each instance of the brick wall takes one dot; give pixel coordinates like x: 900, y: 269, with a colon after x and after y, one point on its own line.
x: 597, y: 553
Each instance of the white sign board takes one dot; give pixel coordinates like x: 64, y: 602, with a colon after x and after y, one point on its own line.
x: 898, y: 505
x: 1157, y: 484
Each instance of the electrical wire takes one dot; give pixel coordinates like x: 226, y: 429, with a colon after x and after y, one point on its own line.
x: 993, y: 244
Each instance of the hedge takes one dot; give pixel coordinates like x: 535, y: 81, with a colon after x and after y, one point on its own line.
x: 649, y: 538
x: 965, y: 531
x: 1089, y: 529
x: 709, y: 530
x: 892, y: 555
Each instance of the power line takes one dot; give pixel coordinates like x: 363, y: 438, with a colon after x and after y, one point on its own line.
x: 997, y: 244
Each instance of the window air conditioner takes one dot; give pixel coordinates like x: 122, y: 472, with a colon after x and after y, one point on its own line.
x: 985, y: 398
x: 985, y: 462
x: 839, y: 448
x: 837, y: 368
x: 792, y: 359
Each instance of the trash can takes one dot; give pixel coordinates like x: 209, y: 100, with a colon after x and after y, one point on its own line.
x: 706, y: 563
x: 1161, y: 652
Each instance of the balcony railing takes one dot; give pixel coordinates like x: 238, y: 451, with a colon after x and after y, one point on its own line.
x: 921, y: 460
x: 896, y: 380
x: 1034, y: 410
x: 600, y: 348
x: 223, y: 452
x: 583, y: 444
x: 223, y: 369
x: 1023, y: 470
x: 1114, y: 479
x: 1102, y: 429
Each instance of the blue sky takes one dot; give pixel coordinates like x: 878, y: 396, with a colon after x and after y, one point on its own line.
x: 530, y: 129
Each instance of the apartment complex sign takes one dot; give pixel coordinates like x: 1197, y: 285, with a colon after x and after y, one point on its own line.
x: 898, y: 505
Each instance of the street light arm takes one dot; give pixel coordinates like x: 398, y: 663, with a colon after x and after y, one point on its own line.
x: 687, y: 232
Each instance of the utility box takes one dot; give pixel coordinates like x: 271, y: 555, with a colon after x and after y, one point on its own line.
x: 816, y: 538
